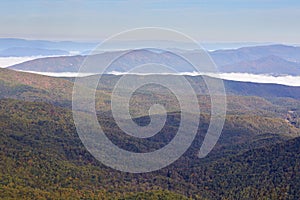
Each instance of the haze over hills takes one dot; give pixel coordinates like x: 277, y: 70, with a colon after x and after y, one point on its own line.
x: 272, y: 59
x: 25, y: 51
x: 87, y: 46
x: 6, y: 43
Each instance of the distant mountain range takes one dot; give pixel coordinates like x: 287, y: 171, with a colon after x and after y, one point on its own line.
x: 272, y: 59
x: 227, y: 57
x: 71, y: 45
x: 265, y: 65
x: 25, y: 51
x: 6, y: 43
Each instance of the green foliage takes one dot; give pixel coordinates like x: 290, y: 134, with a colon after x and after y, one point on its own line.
x: 155, y: 195
x: 41, y: 157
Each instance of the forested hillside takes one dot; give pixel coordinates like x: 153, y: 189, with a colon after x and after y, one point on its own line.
x: 42, y: 156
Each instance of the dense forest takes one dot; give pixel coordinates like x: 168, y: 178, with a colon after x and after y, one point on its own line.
x: 42, y: 157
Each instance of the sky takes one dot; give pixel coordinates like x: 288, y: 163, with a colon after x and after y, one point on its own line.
x: 205, y: 20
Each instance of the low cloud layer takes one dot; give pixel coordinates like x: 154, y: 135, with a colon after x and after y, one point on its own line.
x: 242, y: 77
x: 9, y: 61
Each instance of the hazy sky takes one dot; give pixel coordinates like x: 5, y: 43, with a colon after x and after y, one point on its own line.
x: 204, y: 20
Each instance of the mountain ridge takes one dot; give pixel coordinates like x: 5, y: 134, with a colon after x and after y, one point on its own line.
x: 273, y: 59
x: 266, y: 65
